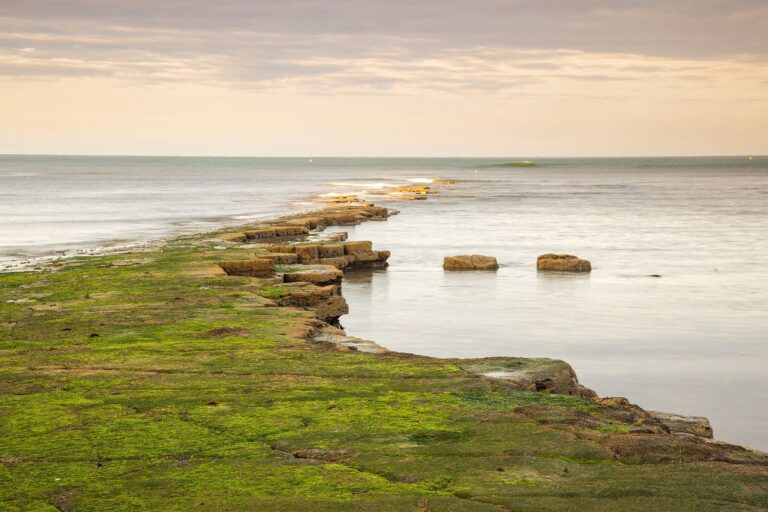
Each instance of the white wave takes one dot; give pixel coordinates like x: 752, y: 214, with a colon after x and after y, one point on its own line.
x: 421, y: 180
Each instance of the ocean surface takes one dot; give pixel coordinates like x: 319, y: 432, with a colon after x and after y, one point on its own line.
x: 693, y: 341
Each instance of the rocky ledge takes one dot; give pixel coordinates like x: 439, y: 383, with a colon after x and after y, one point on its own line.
x: 309, y: 274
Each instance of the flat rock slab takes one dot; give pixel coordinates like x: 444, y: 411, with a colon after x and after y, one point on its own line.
x: 550, y: 375
x: 350, y: 342
x: 321, y: 275
x: 677, y: 423
x: 258, y: 267
x: 470, y: 262
x: 562, y: 263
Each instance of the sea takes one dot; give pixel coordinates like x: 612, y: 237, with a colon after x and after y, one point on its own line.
x: 674, y: 314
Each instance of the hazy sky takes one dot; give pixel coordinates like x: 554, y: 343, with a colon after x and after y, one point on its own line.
x: 384, y: 78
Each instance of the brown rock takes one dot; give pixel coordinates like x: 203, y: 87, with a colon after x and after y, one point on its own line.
x: 290, y: 230
x: 330, y: 250
x: 470, y: 262
x: 305, y: 253
x: 324, y: 301
x: 281, y: 258
x: 365, y: 257
x: 340, y: 262
x: 234, y: 237
x: 251, y: 268
x: 331, y: 309
x: 261, y: 234
x: 694, y: 425
x: 357, y: 247
x: 321, y: 275
x: 562, y: 263
x: 305, y: 295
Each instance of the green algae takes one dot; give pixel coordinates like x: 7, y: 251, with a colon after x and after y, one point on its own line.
x: 137, y: 382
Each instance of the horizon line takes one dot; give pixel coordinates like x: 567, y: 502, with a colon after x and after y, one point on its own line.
x: 731, y: 155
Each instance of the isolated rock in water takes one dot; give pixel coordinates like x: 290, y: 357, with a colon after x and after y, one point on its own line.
x: 470, y: 262
x: 695, y: 425
x: 563, y: 263
x: 250, y: 268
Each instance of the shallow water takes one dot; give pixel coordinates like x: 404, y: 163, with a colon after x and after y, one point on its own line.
x: 693, y: 341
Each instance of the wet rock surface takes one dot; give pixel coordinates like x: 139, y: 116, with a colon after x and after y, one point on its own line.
x: 562, y: 263
x: 470, y: 262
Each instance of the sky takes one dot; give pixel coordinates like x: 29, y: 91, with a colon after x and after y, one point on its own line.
x: 395, y: 78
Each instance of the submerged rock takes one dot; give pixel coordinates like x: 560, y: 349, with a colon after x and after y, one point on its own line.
x: 562, y: 263
x: 470, y: 262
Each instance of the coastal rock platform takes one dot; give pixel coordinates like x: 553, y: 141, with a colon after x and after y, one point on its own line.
x: 192, y: 379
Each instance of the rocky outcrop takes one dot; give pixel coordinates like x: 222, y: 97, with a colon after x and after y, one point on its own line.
x: 342, y: 255
x: 321, y: 275
x: 470, y: 262
x: 325, y: 301
x: 678, y: 424
x: 299, y: 227
x: 622, y: 410
x: 259, y: 267
x: 271, y: 233
x: 550, y: 375
x: 562, y: 263
x: 340, y: 339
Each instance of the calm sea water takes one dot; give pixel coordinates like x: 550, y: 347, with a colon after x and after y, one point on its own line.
x: 694, y: 341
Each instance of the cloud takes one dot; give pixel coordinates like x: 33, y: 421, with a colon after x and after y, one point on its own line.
x: 396, y: 47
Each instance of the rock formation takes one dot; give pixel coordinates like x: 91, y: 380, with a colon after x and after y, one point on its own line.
x: 694, y: 425
x: 259, y: 267
x: 562, y: 263
x: 470, y: 262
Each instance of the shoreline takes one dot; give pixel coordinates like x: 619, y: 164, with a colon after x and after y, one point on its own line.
x: 555, y: 376
x: 198, y: 365
x: 557, y: 379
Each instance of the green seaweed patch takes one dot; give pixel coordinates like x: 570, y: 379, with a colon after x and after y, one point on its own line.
x: 613, y: 429
x: 274, y: 292
x: 290, y: 269
x: 508, y: 400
